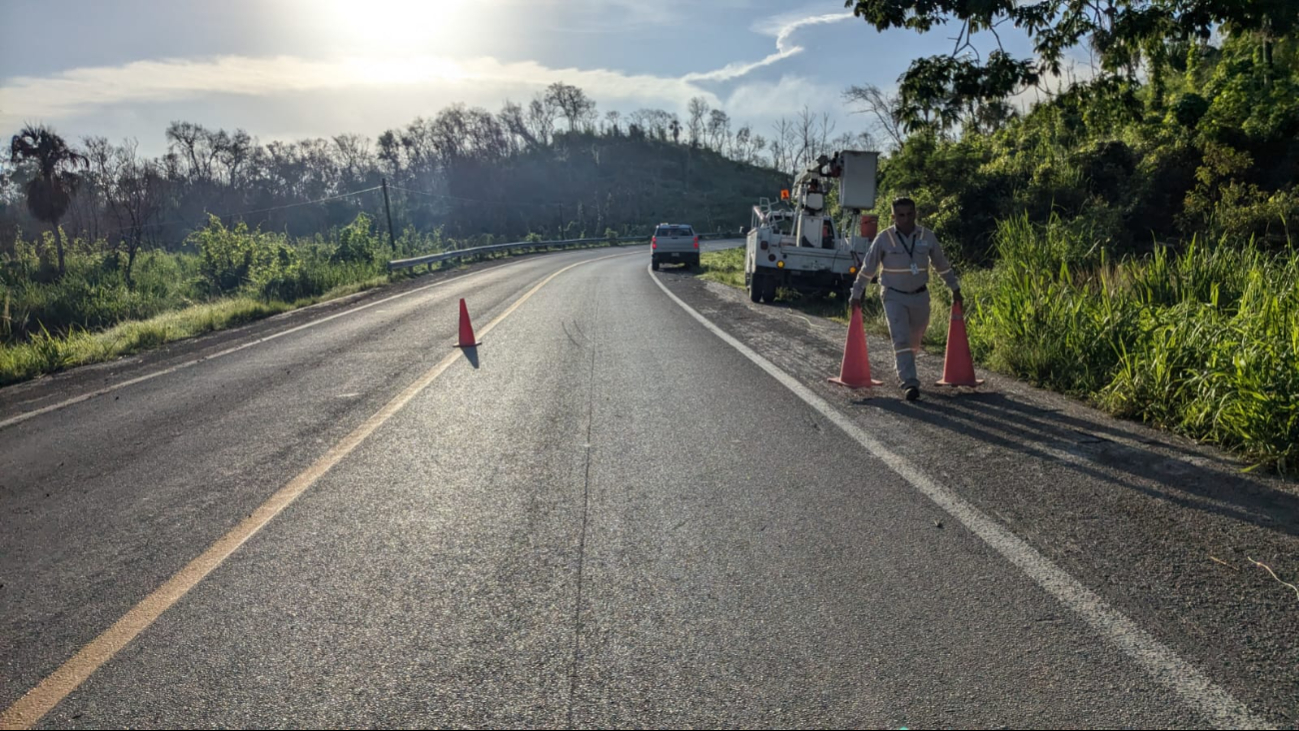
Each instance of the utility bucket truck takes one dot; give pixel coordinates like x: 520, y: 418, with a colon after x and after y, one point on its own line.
x: 792, y: 242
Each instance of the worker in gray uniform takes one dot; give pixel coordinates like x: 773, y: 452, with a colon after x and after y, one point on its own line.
x: 901, y: 254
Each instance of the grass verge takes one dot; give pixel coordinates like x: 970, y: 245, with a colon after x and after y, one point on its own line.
x: 48, y: 353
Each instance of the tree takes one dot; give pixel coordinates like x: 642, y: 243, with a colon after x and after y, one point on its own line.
x: 743, y: 147
x: 939, y: 92
x: 697, y: 109
x: 233, y: 152
x: 541, y: 118
x: 759, y: 144
x: 51, y: 189
x: 811, y: 137
x: 675, y: 127
x: 512, y: 118
x: 654, y: 123
x: 719, y: 130
x: 134, y: 195
x: 195, y: 144
x: 782, y: 145
x: 354, y: 157
x: 390, y: 152
x: 572, y: 102
x: 883, y: 107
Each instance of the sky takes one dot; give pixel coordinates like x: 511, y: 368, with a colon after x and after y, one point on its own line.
x: 292, y: 69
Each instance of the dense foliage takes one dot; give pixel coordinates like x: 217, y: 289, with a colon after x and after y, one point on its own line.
x: 1211, y: 150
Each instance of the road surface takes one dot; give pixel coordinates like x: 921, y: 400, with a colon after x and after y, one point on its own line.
x: 637, y: 503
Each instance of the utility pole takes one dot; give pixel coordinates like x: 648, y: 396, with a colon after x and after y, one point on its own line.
x: 392, y: 241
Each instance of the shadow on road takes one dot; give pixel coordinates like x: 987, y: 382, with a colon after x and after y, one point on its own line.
x: 471, y: 355
x: 1078, y: 444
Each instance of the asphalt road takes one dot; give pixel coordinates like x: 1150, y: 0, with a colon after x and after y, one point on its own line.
x: 608, y: 515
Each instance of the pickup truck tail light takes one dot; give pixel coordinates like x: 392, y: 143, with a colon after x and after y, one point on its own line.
x: 696, y: 242
x: 654, y: 242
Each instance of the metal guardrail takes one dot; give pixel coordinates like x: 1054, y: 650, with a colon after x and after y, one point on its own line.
x: 431, y: 259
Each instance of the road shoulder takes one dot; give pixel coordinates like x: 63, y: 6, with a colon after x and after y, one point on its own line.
x: 1162, y: 528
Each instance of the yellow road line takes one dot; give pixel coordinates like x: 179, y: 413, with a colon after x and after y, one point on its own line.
x: 38, y: 701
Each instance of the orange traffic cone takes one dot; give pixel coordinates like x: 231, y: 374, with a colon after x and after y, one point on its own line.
x: 467, y: 339
x: 958, y: 367
x: 855, y: 372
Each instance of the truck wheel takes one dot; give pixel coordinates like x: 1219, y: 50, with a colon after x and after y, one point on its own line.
x: 685, y: 265
x: 769, y: 290
x: 755, y: 287
x: 654, y: 265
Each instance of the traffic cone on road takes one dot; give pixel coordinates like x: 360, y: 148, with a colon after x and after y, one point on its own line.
x: 855, y: 372
x: 467, y: 339
x: 958, y: 367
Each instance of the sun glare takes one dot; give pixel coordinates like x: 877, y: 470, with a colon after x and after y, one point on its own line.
x: 397, y: 26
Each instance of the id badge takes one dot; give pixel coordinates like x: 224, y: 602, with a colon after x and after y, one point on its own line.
x: 914, y: 269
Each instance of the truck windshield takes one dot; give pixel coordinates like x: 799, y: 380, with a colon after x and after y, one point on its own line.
x: 674, y: 231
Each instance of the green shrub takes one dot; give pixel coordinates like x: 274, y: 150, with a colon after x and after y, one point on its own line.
x: 358, y: 243
x: 229, y: 257
x: 1204, y: 341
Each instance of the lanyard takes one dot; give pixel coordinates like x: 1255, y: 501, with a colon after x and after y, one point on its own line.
x: 911, y: 250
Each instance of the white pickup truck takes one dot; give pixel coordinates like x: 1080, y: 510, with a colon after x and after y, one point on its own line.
x: 674, y: 242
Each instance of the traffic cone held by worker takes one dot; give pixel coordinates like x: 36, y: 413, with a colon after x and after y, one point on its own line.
x: 467, y: 339
x: 958, y: 367
x: 855, y: 372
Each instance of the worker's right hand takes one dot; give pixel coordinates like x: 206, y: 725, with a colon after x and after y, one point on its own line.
x: 855, y: 301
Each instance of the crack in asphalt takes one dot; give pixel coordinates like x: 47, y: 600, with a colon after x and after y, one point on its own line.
x: 581, y: 542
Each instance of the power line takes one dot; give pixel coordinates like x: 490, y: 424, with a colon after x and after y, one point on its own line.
x: 304, y: 203
x: 472, y: 200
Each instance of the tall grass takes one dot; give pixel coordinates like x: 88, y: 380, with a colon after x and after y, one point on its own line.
x: 1202, y: 341
x: 231, y: 276
x: 47, y: 353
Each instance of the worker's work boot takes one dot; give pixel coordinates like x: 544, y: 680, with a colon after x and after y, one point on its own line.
x: 912, y: 393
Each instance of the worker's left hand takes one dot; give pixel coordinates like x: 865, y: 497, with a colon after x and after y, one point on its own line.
x: 957, y: 298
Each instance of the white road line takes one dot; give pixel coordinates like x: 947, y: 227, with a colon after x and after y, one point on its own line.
x: 148, y: 376
x: 1168, y: 668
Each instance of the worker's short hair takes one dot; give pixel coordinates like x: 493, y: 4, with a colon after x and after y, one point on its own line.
x: 903, y: 201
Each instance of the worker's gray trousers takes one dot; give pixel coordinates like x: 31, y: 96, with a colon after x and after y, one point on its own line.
x: 908, y: 316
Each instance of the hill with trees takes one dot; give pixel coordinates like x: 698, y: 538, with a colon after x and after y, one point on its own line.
x: 553, y: 167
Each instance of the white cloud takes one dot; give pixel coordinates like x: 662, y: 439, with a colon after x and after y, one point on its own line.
x: 785, y: 98
x: 784, y: 49
x: 75, y: 91
x: 407, y: 81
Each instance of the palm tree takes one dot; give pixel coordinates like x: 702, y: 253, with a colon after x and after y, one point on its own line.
x: 50, y: 192
x: 675, y: 126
